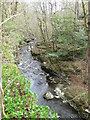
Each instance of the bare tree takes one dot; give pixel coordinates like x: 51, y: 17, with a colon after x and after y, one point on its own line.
x: 77, y: 9
x: 85, y: 16
x: 89, y: 52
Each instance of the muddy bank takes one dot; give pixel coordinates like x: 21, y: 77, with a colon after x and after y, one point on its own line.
x: 61, y: 72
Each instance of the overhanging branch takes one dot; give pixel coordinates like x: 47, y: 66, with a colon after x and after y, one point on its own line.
x: 9, y: 19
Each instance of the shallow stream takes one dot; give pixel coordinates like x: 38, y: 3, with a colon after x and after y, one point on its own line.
x: 32, y: 70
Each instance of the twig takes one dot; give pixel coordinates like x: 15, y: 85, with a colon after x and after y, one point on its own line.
x: 2, y: 92
x: 9, y: 19
x: 1, y: 89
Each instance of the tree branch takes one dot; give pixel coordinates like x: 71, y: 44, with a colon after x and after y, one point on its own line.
x: 9, y: 19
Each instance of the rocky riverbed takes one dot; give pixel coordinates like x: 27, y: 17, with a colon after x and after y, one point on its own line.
x: 32, y: 70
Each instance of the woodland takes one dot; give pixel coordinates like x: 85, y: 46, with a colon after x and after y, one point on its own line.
x: 44, y: 59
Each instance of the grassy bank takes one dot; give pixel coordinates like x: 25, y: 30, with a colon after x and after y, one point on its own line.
x: 19, y: 101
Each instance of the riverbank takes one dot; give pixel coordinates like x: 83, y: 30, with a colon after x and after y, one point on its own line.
x: 19, y: 101
x: 69, y: 73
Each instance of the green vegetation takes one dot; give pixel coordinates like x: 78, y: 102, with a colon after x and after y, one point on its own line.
x: 69, y: 36
x: 19, y: 101
x: 63, y: 48
x: 60, y: 36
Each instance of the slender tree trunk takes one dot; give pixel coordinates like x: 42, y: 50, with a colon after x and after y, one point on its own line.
x: 77, y: 9
x: 1, y: 60
x: 1, y: 42
x: 0, y: 71
x: 86, y: 26
x: 16, y: 4
x: 85, y: 16
x: 2, y: 19
x: 89, y: 53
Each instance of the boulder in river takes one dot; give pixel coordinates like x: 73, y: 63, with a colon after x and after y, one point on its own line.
x: 48, y: 96
x: 59, y: 93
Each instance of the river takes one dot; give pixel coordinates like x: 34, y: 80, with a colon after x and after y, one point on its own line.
x: 32, y: 70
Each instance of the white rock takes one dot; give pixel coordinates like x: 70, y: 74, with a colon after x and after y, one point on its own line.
x: 64, y: 101
x: 58, y: 92
x: 88, y: 111
x: 57, y: 97
x: 29, y: 49
x: 41, y: 73
x: 44, y: 63
x: 48, y: 96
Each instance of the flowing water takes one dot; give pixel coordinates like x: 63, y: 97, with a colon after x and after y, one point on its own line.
x: 32, y: 70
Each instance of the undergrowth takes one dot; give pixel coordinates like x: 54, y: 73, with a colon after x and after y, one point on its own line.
x: 19, y: 101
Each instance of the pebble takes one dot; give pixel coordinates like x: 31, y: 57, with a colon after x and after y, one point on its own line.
x: 64, y: 101
x: 41, y: 73
x: 44, y: 63
x: 88, y: 111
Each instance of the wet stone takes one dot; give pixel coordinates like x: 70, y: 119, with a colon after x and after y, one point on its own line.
x: 48, y: 96
x: 59, y: 93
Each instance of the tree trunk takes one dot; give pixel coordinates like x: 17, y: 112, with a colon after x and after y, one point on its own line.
x: 77, y: 9
x: 0, y: 70
x: 16, y: 4
x: 2, y: 19
x: 85, y: 16
x: 89, y: 53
